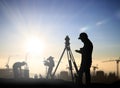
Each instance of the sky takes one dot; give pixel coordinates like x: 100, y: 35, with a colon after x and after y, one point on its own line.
x: 36, y: 29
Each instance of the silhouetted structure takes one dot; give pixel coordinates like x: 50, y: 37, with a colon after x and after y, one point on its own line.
x: 50, y: 63
x: 35, y: 76
x: 111, y: 77
x: 64, y: 75
x: 117, y: 65
x: 100, y: 76
x: 94, y: 69
x: 86, y: 61
x: 7, y: 65
x: 6, y: 73
x: 17, y: 69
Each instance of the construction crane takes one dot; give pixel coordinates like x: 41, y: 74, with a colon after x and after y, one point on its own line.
x: 7, y: 65
x: 117, y: 65
x: 26, y: 59
x: 94, y: 69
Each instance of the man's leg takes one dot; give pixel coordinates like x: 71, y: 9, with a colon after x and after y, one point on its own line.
x: 47, y: 74
x: 51, y: 73
x: 16, y: 75
x: 88, y: 77
x: 80, y: 76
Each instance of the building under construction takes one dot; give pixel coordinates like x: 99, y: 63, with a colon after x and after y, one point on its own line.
x: 8, y: 73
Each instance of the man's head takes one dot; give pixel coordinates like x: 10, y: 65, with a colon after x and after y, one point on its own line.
x: 50, y: 58
x: 24, y: 63
x: 83, y: 36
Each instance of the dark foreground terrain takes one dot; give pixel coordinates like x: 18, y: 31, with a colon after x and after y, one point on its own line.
x: 56, y: 83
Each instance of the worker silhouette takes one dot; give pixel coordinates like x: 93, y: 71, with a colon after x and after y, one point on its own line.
x: 86, y: 54
x: 17, y: 69
x: 50, y: 63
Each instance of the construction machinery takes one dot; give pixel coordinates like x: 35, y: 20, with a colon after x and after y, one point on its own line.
x: 117, y: 65
x: 94, y: 69
x: 7, y: 64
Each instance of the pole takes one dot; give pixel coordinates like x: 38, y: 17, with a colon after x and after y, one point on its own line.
x: 117, y: 62
x: 59, y: 61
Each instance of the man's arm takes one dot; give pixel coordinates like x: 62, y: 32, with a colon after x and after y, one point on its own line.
x: 79, y: 51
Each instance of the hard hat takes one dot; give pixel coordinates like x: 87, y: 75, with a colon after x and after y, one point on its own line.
x: 50, y: 58
x: 83, y: 35
x: 24, y: 62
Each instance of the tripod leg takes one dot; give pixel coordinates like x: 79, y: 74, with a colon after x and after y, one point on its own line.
x: 74, y: 63
x: 70, y: 65
x: 75, y: 66
x: 59, y: 61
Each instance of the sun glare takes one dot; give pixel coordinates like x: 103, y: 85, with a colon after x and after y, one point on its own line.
x: 35, y: 45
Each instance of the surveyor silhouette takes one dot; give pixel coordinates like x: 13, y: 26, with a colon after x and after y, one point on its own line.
x: 50, y: 63
x: 86, y: 53
x: 17, y: 69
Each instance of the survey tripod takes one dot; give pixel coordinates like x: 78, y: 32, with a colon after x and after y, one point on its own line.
x: 70, y: 58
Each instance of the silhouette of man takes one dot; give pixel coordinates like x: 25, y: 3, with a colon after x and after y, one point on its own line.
x: 50, y: 64
x: 86, y: 53
x: 17, y: 69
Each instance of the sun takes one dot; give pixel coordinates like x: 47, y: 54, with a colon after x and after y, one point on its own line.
x: 35, y: 45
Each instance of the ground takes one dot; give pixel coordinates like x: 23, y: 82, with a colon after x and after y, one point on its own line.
x: 44, y: 83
